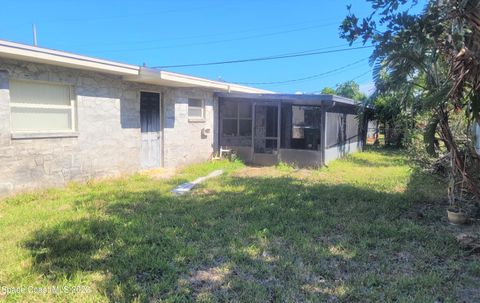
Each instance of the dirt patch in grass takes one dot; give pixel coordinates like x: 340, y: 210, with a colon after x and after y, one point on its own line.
x: 160, y: 173
x: 208, y: 278
x: 249, y: 172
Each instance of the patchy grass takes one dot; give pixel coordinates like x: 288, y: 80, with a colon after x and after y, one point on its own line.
x: 367, y: 228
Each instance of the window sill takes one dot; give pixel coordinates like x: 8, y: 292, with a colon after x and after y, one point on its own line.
x: 197, y: 120
x: 44, y: 135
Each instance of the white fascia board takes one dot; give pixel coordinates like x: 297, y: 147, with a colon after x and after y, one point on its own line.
x: 29, y: 53
x: 129, y: 72
x: 159, y: 77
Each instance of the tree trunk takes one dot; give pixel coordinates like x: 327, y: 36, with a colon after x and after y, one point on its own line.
x: 460, y: 169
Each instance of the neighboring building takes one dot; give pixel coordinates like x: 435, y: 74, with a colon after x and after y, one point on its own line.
x: 67, y: 117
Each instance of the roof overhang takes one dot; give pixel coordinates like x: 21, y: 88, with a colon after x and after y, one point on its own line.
x: 129, y: 72
x: 29, y: 53
x: 159, y: 77
x: 300, y: 99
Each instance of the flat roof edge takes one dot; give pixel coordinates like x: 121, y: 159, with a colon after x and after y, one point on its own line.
x: 289, y: 97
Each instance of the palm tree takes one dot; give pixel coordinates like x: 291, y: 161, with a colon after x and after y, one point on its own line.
x: 436, y: 54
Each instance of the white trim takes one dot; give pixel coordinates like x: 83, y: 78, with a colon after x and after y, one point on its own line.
x: 44, y: 55
x: 209, y: 83
x: 42, y: 135
x: 39, y: 134
x: 45, y: 106
x: 159, y: 77
x: 129, y: 72
x: 73, y: 109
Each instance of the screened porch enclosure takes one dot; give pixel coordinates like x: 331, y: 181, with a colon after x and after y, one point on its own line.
x: 299, y: 129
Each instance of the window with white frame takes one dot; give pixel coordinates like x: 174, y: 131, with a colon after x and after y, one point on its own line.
x: 41, y: 107
x: 196, y: 109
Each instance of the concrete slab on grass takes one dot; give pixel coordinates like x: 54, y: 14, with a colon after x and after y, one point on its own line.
x: 186, y: 187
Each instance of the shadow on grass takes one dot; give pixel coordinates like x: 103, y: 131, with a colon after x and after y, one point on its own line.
x: 250, y: 239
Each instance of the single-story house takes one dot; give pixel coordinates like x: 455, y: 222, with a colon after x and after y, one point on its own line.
x: 67, y: 117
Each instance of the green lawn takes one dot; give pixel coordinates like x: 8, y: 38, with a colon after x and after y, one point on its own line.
x: 367, y: 228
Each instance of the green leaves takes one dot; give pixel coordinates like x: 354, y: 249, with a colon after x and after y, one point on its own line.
x: 348, y: 89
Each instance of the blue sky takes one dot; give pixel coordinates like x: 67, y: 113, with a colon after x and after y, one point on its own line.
x: 160, y: 33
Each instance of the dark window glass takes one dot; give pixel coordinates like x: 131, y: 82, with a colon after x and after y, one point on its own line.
x: 245, y: 128
x: 244, y: 110
x: 229, y: 127
x: 229, y: 109
x: 271, y: 121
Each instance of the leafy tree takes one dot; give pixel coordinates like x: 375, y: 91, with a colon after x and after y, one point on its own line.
x: 328, y: 91
x: 348, y: 89
x: 435, y: 56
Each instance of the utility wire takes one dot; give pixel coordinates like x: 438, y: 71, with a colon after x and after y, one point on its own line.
x: 315, y: 76
x: 218, y: 41
x: 284, y: 56
x: 361, y: 75
x: 354, y: 78
x: 255, y: 29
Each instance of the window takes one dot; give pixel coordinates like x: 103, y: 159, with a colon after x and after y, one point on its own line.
x: 237, y: 119
x: 196, y: 109
x: 305, y: 127
x: 230, y: 127
x: 41, y: 107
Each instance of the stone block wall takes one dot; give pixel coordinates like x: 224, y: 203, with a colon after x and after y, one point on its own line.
x: 187, y: 141
x: 108, y: 123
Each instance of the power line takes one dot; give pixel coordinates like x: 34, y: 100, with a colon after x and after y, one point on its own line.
x: 354, y: 78
x: 255, y: 29
x: 315, y: 76
x: 284, y: 56
x: 361, y: 75
x: 218, y: 41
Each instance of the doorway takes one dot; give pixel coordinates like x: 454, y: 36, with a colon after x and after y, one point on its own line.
x: 266, y: 133
x: 150, y: 130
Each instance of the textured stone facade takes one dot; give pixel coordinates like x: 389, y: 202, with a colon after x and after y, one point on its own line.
x: 108, y: 123
x: 184, y: 140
